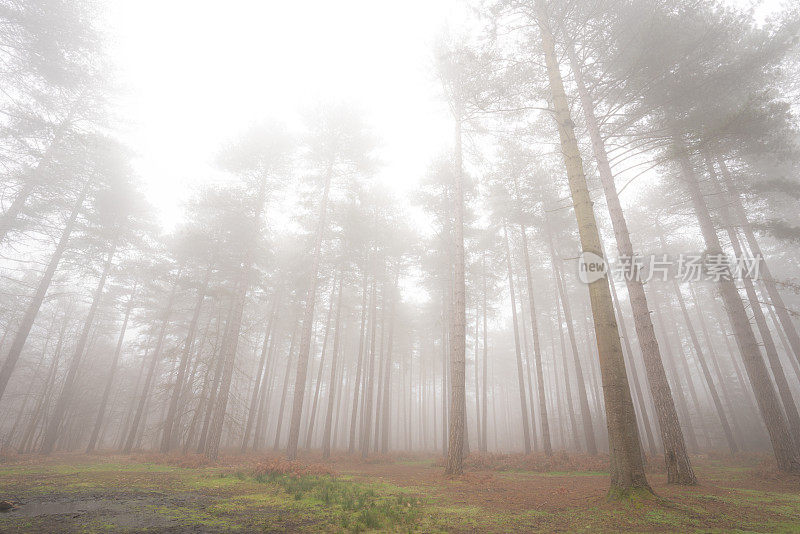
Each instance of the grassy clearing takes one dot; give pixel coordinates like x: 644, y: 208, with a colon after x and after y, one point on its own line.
x: 409, y: 496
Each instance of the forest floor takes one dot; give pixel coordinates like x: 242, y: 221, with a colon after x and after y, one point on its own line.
x: 498, y: 493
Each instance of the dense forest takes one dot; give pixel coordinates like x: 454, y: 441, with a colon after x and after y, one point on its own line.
x: 598, y: 269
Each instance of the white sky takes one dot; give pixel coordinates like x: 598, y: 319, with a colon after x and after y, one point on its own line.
x: 197, y: 72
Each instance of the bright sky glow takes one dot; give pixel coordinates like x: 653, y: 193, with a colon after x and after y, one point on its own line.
x: 198, y: 72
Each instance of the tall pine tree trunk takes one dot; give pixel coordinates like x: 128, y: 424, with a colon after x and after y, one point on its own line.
x: 366, y: 412
x: 458, y: 328
x: 318, y: 383
x: 308, y: 320
x: 359, y: 365
x: 168, y: 438
x: 778, y: 374
x: 67, y: 391
x: 32, y: 310
x: 484, y: 444
x: 627, y: 470
x: 101, y: 411
x: 387, y: 377
x: 515, y: 323
x: 679, y: 469
x: 144, y: 398
x: 326, y: 434
x: 769, y: 282
x: 583, y: 398
x: 537, y: 350
x: 262, y: 361
x: 754, y: 364
x: 286, y: 375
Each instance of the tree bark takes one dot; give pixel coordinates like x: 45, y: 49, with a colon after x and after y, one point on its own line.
x: 627, y: 470
x: 679, y: 469
x: 458, y: 330
x: 636, y: 385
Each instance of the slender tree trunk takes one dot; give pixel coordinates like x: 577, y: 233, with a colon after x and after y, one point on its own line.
x: 266, y: 391
x: 219, y: 408
x: 636, y: 386
x: 168, y: 437
x: 627, y: 470
x: 276, y: 445
x: 520, y: 377
x: 41, y: 404
x: 387, y: 382
x: 9, y: 217
x: 326, y: 434
x: 251, y: 412
x: 458, y: 331
x: 484, y: 444
x: 366, y: 414
x: 312, y: 417
x: 586, y: 415
x: 784, y: 391
x: 769, y: 282
x: 721, y: 378
x: 308, y: 320
x: 41, y: 290
x: 537, y: 350
x: 67, y: 391
x: 706, y: 372
x: 151, y: 369
x: 567, y: 383
x: 682, y: 361
x: 201, y: 402
x: 478, y: 413
x: 381, y: 363
x: 679, y: 469
x: 527, y: 352
x: 748, y: 346
x: 101, y: 412
x: 219, y: 361
x: 359, y: 365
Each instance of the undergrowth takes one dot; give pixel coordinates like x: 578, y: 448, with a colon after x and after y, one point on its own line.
x: 352, y: 505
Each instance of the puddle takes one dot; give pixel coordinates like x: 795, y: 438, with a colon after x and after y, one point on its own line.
x: 37, y: 509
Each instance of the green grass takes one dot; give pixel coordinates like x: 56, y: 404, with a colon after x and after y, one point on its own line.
x: 354, y: 506
x: 220, y: 500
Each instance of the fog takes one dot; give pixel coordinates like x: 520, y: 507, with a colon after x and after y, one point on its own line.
x: 360, y: 232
